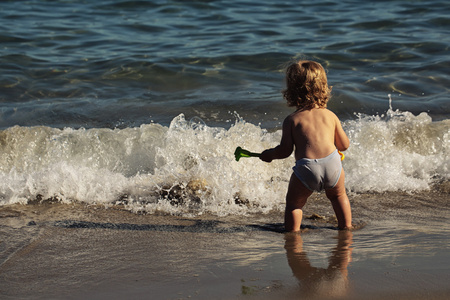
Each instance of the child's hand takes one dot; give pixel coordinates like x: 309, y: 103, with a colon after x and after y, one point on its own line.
x: 265, y: 156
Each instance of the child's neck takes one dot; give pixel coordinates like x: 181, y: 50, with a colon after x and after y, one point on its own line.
x: 304, y: 108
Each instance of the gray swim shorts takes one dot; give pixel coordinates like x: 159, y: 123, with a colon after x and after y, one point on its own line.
x: 319, y: 174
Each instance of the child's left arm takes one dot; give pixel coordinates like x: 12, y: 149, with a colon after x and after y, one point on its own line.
x: 286, y: 146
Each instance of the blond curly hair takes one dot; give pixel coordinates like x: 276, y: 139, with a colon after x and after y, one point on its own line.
x: 306, y: 85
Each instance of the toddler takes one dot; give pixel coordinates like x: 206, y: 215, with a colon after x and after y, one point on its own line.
x: 315, y: 135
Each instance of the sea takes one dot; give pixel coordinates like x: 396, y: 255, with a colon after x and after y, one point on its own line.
x: 142, y: 103
x: 137, y: 107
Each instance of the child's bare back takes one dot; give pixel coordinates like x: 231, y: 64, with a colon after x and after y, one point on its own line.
x: 314, y: 133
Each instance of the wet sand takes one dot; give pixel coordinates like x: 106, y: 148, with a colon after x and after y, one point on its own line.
x: 74, y: 251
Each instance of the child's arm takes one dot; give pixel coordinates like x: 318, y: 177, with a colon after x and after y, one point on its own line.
x: 340, y: 138
x: 286, y: 146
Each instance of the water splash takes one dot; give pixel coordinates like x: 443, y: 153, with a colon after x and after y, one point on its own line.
x: 190, y: 168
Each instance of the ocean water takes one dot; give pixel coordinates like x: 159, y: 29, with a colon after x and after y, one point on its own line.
x: 141, y: 104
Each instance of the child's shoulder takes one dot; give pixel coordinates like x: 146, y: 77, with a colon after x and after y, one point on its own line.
x: 326, y: 112
x: 331, y: 115
x: 330, y: 112
x: 308, y: 116
x: 301, y: 112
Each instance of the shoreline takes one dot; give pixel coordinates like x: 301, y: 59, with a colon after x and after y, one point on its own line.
x: 77, y: 251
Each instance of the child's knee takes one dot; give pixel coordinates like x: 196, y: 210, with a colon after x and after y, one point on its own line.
x: 296, y: 203
x: 335, y: 193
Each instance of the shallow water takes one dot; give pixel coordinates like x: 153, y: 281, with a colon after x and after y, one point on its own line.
x: 51, y: 250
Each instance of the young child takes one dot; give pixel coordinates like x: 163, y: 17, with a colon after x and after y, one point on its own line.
x: 317, y: 135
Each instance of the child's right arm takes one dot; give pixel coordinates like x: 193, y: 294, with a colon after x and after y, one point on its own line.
x: 340, y: 137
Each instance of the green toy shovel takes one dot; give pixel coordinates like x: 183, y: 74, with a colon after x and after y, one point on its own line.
x: 239, y: 152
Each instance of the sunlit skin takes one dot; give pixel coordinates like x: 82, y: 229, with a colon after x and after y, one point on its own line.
x: 311, y: 132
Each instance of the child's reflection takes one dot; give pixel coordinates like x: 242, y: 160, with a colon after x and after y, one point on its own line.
x: 329, y: 282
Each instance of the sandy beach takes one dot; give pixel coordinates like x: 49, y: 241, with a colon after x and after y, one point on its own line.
x: 60, y: 251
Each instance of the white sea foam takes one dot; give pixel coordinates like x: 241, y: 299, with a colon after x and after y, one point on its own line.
x: 398, y: 151
x: 189, y: 168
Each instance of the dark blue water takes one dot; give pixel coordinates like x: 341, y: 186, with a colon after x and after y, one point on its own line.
x: 126, y: 63
x: 138, y: 101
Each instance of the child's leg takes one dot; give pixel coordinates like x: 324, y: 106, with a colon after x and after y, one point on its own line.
x: 295, y: 200
x: 341, y: 204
